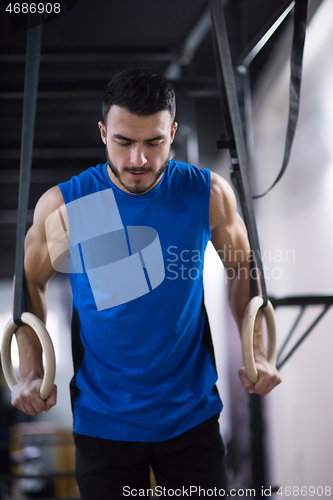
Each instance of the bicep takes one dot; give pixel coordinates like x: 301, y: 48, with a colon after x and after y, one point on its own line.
x: 37, y: 262
x: 229, y: 234
x: 231, y: 242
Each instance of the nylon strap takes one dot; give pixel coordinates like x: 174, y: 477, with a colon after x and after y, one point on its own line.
x: 34, y: 36
x: 296, y: 60
x: 239, y: 157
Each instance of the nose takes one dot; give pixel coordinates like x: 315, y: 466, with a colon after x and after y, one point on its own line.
x: 138, y: 156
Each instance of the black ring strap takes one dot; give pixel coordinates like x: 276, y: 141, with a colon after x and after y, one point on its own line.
x: 296, y: 62
x: 34, y: 36
x: 239, y: 156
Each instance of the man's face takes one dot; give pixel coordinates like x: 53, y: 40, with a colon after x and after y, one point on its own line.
x: 137, y: 148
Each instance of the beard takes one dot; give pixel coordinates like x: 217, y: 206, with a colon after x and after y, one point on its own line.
x: 137, y: 189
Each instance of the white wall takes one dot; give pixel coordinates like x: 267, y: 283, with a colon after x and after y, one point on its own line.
x: 216, y: 303
x: 297, y: 216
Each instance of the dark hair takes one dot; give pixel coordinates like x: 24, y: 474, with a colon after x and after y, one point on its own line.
x: 141, y: 91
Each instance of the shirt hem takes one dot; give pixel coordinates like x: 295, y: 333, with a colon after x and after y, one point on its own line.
x: 146, y: 437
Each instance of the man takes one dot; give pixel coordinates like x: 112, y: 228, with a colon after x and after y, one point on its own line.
x: 132, y: 233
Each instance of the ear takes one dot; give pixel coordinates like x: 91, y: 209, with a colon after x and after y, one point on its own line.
x: 102, y: 129
x: 174, y: 127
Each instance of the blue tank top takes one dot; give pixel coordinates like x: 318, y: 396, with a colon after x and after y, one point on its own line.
x: 144, y: 366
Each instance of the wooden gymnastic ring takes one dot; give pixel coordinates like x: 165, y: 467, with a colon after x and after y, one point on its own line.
x: 49, y: 372
x: 247, y: 336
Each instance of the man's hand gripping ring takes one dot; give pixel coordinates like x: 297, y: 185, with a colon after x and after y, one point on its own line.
x: 247, y: 336
x: 49, y: 373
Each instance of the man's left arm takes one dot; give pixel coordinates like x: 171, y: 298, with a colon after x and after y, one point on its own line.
x: 229, y: 237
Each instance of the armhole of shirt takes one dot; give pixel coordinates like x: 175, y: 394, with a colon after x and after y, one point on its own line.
x: 209, y: 178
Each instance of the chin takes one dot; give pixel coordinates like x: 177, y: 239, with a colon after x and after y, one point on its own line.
x: 137, y: 189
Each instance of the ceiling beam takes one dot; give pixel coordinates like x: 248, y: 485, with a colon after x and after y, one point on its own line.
x: 190, y: 45
x: 54, y: 153
x: 38, y: 175
x: 95, y: 57
x: 195, y: 87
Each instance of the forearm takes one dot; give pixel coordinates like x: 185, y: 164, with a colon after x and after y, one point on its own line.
x: 30, y: 353
x: 30, y: 350
x: 239, y: 295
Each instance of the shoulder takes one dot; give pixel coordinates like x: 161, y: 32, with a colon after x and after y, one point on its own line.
x: 86, y: 182
x: 190, y: 171
x: 48, y: 203
x: 223, y: 206
x: 189, y: 178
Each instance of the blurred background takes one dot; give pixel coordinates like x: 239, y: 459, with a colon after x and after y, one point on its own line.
x: 81, y: 51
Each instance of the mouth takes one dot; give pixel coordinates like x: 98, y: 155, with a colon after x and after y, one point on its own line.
x: 138, y: 174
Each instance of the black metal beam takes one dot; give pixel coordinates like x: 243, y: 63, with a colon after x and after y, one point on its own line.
x: 307, y: 332
x: 196, y: 87
x: 190, y: 45
x: 302, y: 300
x: 53, y: 153
x: 229, y: 26
x: 86, y: 57
x: 255, y: 46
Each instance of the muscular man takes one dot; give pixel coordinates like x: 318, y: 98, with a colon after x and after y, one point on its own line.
x: 133, y: 233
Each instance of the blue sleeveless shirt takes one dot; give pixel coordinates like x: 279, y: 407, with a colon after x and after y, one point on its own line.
x: 144, y: 366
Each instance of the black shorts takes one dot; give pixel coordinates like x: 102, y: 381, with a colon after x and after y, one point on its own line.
x: 185, y: 466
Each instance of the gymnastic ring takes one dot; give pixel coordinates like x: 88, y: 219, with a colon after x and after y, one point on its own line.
x: 247, y: 336
x: 49, y: 372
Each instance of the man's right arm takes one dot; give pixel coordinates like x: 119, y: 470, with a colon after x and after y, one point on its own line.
x: 38, y: 271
